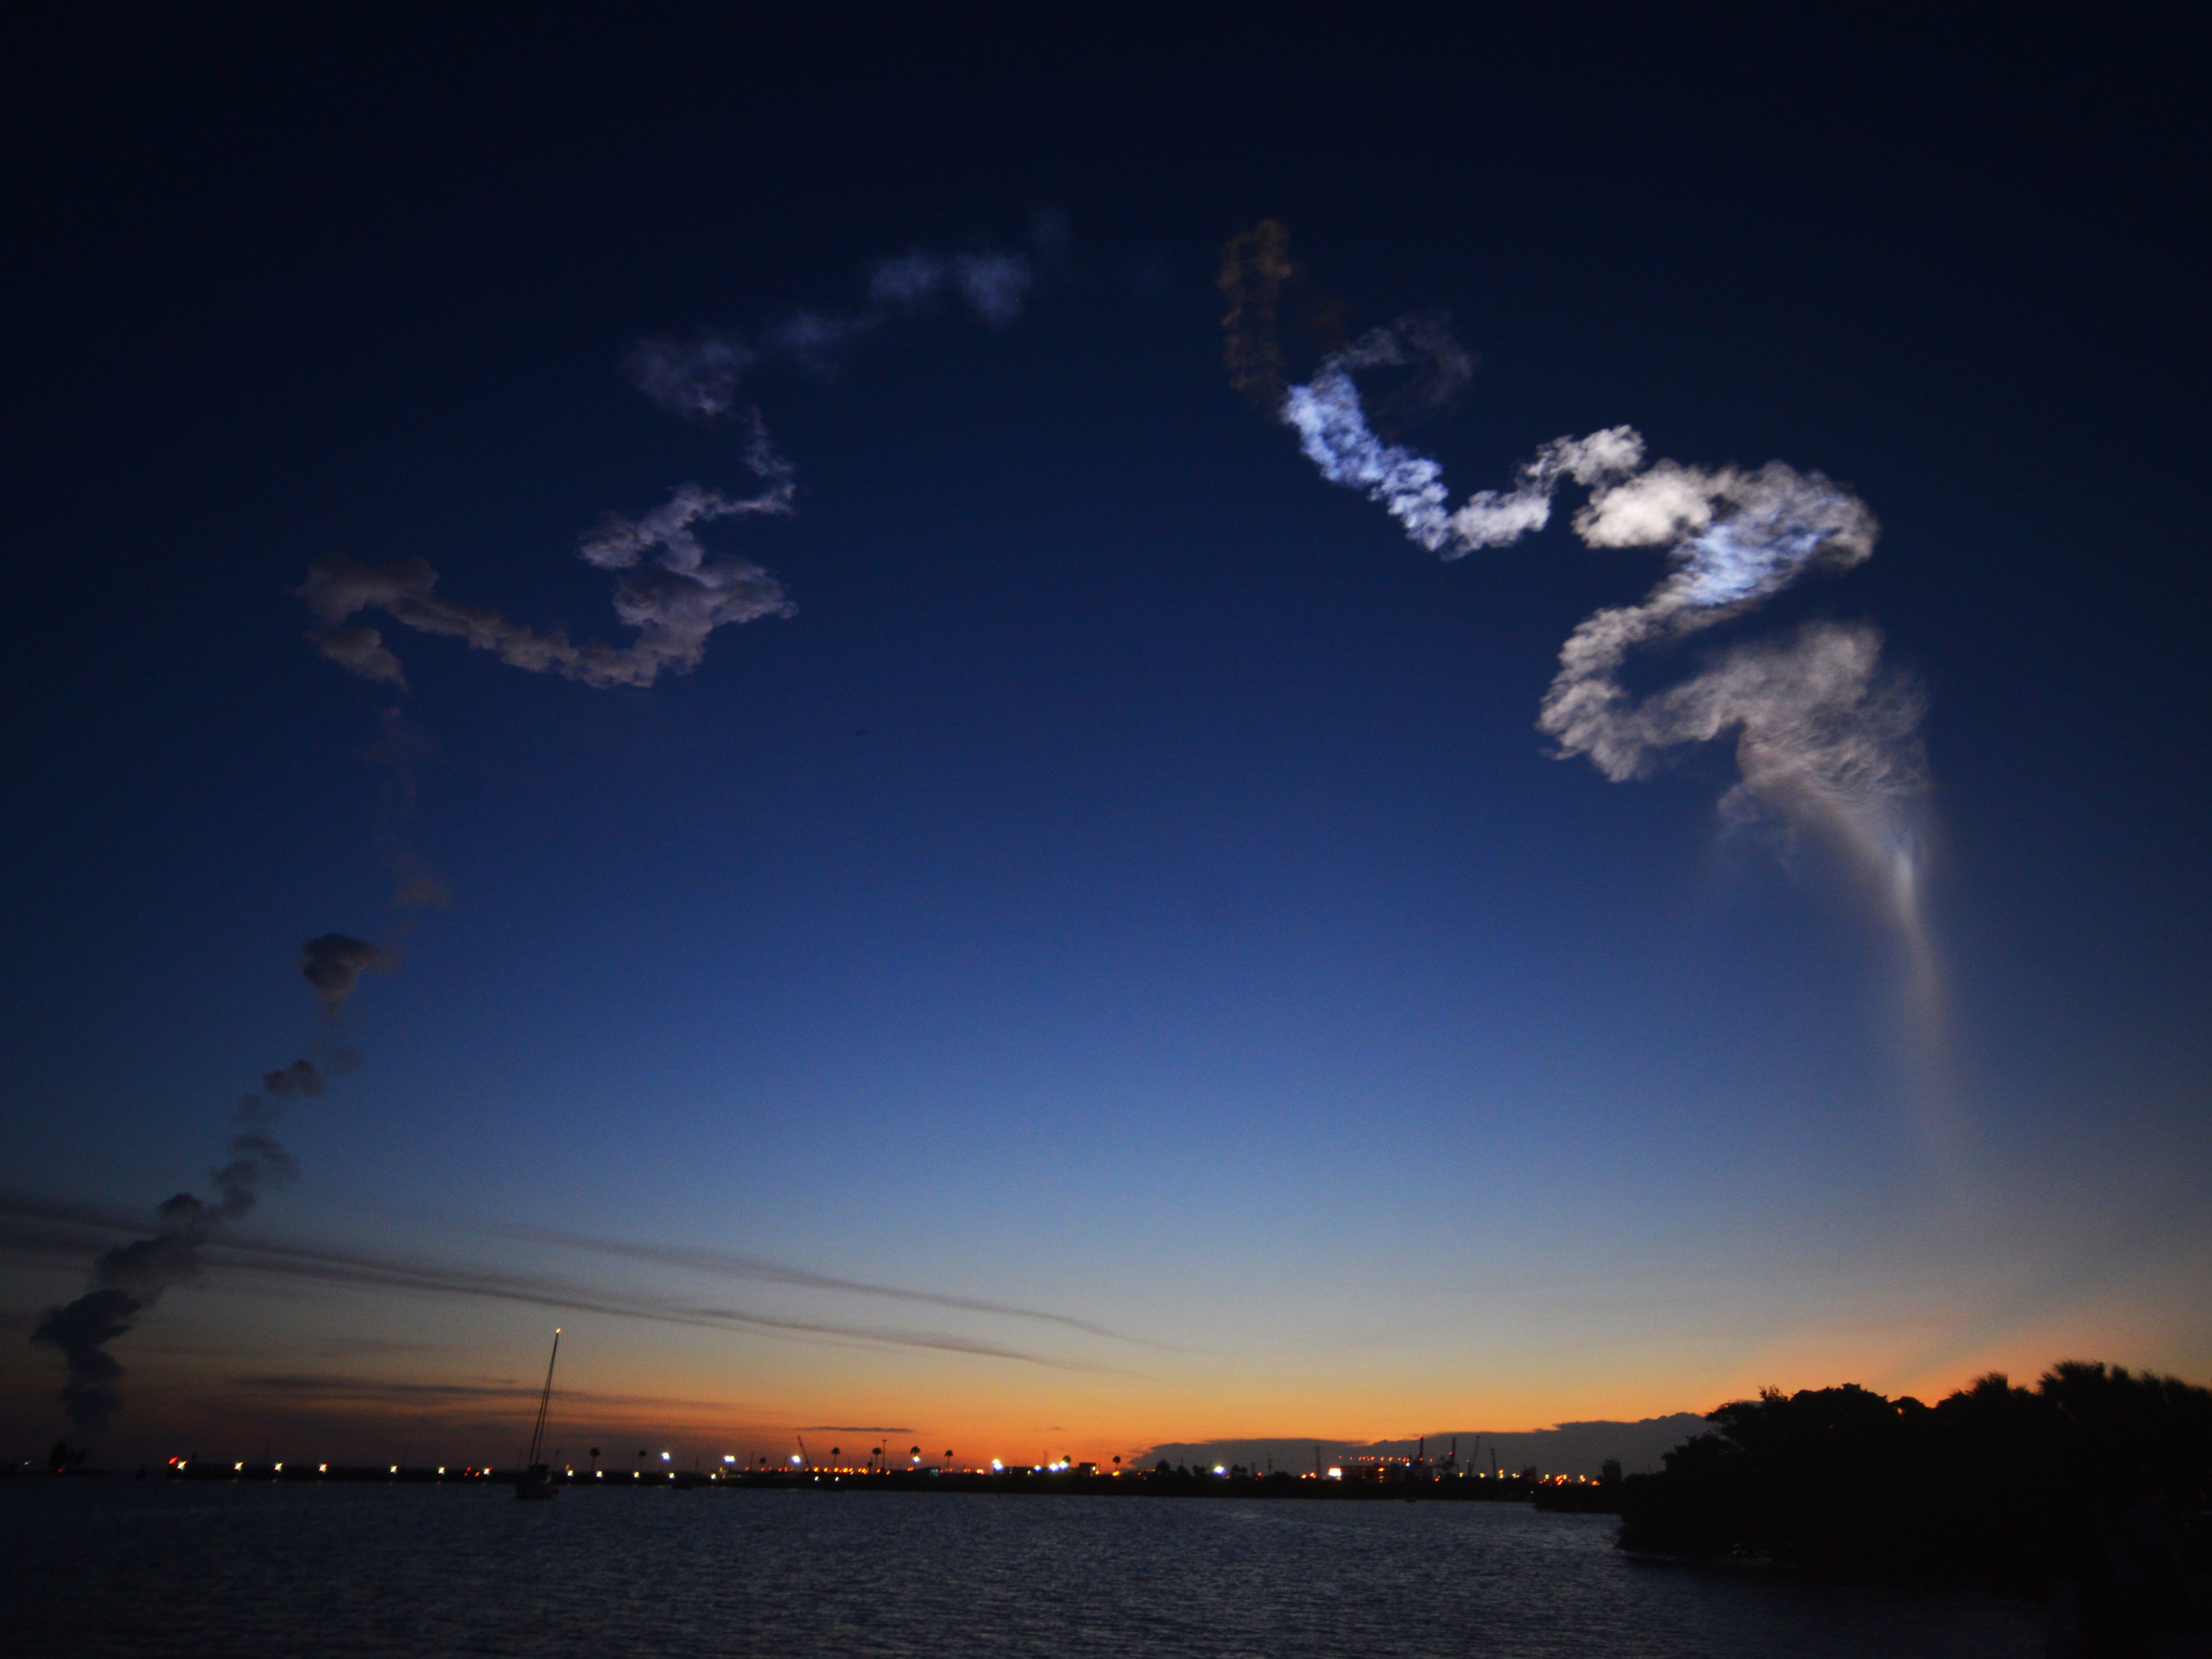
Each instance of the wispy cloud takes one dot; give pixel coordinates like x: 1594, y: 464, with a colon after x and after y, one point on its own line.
x: 36, y: 1227
x: 772, y: 1272
x: 323, y: 1387
x: 674, y: 592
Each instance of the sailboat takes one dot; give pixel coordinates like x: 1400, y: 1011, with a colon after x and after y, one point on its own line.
x: 536, y: 1479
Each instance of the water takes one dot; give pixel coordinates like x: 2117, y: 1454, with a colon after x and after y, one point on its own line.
x: 97, y: 1567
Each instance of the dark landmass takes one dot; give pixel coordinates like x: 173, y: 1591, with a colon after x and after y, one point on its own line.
x: 1404, y: 1480
x: 1403, y: 1486
x: 1583, y: 1448
x: 2092, y: 1488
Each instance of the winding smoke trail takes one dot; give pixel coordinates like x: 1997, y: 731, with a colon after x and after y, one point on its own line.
x: 128, y: 1280
x: 674, y: 602
x: 672, y: 592
x: 1827, y: 737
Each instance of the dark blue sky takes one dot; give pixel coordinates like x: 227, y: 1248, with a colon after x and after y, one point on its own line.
x: 1131, y: 884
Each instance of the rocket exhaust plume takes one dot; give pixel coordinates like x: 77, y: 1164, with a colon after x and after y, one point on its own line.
x: 672, y: 592
x: 334, y: 963
x: 129, y: 1280
x: 1827, y: 737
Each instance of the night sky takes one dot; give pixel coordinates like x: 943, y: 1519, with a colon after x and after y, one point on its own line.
x: 1104, y: 955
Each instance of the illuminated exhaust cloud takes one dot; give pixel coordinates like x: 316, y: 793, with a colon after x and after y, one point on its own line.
x: 129, y: 1280
x: 672, y: 592
x: 1825, y: 735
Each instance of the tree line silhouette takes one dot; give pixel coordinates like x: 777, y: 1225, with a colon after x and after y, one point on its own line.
x: 2092, y: 1487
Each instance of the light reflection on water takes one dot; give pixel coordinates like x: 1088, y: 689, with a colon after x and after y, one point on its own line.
x: 97, y: 1567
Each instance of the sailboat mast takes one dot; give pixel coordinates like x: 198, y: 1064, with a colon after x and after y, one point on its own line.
x: 544, y: 1399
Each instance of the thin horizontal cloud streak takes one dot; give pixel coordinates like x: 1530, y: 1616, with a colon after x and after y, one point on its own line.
x: 328, y: 1387
x: 772, y: 1272
x: 38, y: 1228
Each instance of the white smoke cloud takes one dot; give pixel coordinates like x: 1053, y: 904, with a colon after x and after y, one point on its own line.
x: 1332, y: 430
x: 1736, y: 539
x: 1825, y: 736
x: 1826, y: 733
x: 1331, y: 421
x: 675, y: 593
x: 1492, y: 517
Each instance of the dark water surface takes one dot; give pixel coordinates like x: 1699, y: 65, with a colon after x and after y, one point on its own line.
x: 116, y: 1567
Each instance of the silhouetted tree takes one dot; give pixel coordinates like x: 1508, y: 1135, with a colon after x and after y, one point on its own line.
x: 2096, y: 1479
